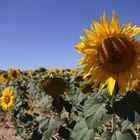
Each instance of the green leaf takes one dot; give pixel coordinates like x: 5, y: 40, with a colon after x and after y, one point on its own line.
x: 43, y: 123
x: 19, y: 103
x: 128, y: 107
x: 127, y: 135
x: 126, y: 125
x: 44, y: 101
x: 19, y: 130
x: 96, y: 113
x: 81, y: 131
x: 107, y: 136
x: 54, y: 124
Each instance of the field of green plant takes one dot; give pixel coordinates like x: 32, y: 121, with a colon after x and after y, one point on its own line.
x: 61, y: 105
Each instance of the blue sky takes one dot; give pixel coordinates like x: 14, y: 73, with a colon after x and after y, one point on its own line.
x: 35, y: 33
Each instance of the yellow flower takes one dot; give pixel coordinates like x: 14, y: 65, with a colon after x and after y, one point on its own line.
x: 14, y: 74
x: 31, y: 73
x: 4, y: 78
x: 54, y: 71
x: 74, y: 72
x: 111, y: 53
x: 7, y: 99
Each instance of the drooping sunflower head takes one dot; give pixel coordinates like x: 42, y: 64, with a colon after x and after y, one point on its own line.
x: 41, y: 70
x: 53, y: 86
x: 14, y: 74
x: 111, y: 53
x: 7, y: 99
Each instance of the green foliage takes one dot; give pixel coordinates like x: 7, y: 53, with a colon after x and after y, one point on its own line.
x: 52, y: 127
x: 128, y: 107
x: 126, y: 125
x: 79, y: 113
x: 19, y: 130
x: 43, y: 123
x: 127, y: 135
x: 82, y: 132
x: 96, y: 113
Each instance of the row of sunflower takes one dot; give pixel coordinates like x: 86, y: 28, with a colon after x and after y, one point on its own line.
x: 26, y: 95
x: 7, y: 99
x: 15, y: 75
x: 12, y: 74
x: 60, y: 104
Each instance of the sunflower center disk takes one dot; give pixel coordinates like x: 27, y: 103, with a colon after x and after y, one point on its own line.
x: 116, y: 54
x: 7, y: 99
x: 14, y: 74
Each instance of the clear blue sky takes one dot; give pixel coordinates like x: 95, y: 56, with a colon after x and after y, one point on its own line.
x: 35, y: 33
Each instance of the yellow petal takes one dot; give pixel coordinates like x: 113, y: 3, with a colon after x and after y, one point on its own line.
x: 122, y: 82
x: 99, y: 29
x: 90, y: 33
x: 110, y: 85
x: 102, y: 85
x: 97, y: 73
x: 115, y: 23
x: 97, y: 77
x: 135, y: 72
x: 126, y: 27
x: 105, y: 23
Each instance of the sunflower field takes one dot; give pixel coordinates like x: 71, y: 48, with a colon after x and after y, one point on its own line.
x: 100, y: 101
x: 60, y: 104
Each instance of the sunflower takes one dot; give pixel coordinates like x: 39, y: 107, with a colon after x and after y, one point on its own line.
x: 112, y: 55
x: 4, y: 78
x: 41, y: 70
x: 31, y: 74
x: 7, y: 99
x: 54, y: 71
x: 14, y: 74
x: 53, y: 86
x: 74, y: 72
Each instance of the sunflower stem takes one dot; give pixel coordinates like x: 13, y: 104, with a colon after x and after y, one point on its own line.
x: 114, y: 123
x: 114, y: 116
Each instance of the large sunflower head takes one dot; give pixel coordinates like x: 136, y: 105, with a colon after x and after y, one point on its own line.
x: 14, y: 74
x: 7, y: 99
x: 111, y: 53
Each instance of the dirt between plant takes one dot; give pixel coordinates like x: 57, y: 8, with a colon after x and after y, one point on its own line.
x: 7, y: 130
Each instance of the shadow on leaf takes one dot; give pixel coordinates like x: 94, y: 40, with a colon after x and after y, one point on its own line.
x: 128, y: 107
